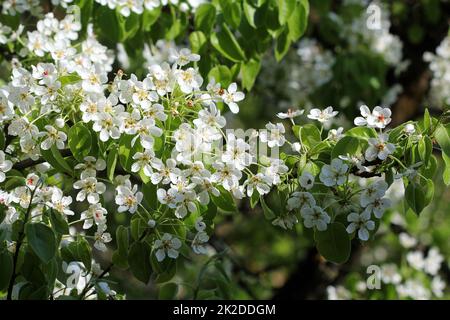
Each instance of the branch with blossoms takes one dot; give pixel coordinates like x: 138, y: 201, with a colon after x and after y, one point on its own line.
x: 157, y: 142
x: 159, y: 146
x: 338, y: 181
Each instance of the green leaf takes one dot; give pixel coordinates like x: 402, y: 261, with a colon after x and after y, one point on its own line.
x: 59, y: 222
x: 6, y: 263
x: 346, y: 145
x: 107, y: 25
x: 443, y: 138
x: 137, y: 227
x: 78, y: 250
x: 425, y: 148
x: 168, y: 291
x: 334, y: 243
x: 446, y: 174
x: 268, y: 213
x: 165, y: 269
x: 298, y: 20
x: 249, y: 12
x: 221, y: 74
x: 418, y: 196
x: 111, y: 163
x: 427, y: 122
x: 249, y: 71
x: 225, y: 201
x: 254, y: 199
x: 126, y: 151
x: 205, y: 16
x: 150, y: 198
x: 128, y: 26
x: 197, y: 40
x: 149, y: 17
x: 139, y: 261
x: 122, y: 238
x: 285, y: 9
x: 80, y: 141
x: 55, y: 159
x: 2, y: 214
x: 2, y: 140
x: 42, y: 240
x: 283, y: 44
x: 226, y: 43
x: 232, y: 12
x: 86, y: 7
x: 362, y: 132
x: 120, y: 256
x: 310, y: 135
x: 69, y: 79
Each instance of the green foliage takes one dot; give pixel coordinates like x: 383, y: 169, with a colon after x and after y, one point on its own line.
x: 334, y: 243
x: 80, y: 141
x: 42, y: 240
x: 139, y: 261
x: 228, y: 32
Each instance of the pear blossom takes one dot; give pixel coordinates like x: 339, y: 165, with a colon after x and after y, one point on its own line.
x: 166, y: 173
x: 226, y: 174
x: 128, y: 199
x: 169, y: 197
x: 183, y: 57
x: 188, y: 80
x: 5, y: 166
x: 168, y: 245
x: 433, y: 261
x: 416, y: 259
x: 53, y: 136
x: 290, y: 114
x: 298, y: 200
x: 378, y: 118
x: 231, y: 96
x: 60, y: 203
x: 274, y: 135
x: 322, y: 115
x: 306, y: 180
x: 90, y: 189
x: 362, y: 223
x: 390, y: 274
x: 101, y: 238
x: 95, y: 213
x: 334, y: 174
x: 145, y: 161
x: 315, y: 216
x: 107, y: 126
x: 199, y: 242
x: 373, y: 192
x: 259, y: 182
x: 237, y: 153
x: 286, y: 221
x: 379, y: 206
x: 90, y: 166
x: 379, y: 148
x: 335, y: 134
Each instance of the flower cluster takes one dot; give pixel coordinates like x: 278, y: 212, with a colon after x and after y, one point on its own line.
x: 124, y: 7
x: 171, y: 126
x: 439, y: 64
x: 417, y: 279
x: 361, y: 203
